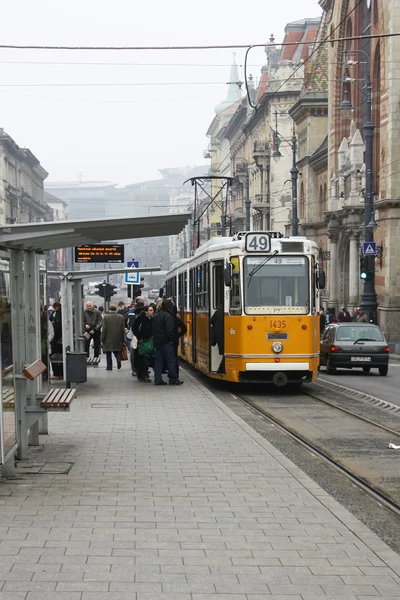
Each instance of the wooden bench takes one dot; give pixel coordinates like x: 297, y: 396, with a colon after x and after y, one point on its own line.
x: 56, y: 358
x: 57, y: 399
x: 54, y: 399
x: 93, y: 362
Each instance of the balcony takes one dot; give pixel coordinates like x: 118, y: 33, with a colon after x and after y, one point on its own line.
x: 261, y: 147
x: 261, y: 153
x: 241, y: 169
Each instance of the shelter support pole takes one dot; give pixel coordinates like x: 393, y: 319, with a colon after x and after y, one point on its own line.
x: 33, y: 331
x: 78, y: 321
x: 67, y: 318
x: 19, y: 339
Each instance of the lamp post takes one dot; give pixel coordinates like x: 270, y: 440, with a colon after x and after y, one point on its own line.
x: 247, y: 201
x: 369, y: 301
x: 294, y: 171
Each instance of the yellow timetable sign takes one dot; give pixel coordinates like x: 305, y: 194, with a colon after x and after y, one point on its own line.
x: 102, y: 253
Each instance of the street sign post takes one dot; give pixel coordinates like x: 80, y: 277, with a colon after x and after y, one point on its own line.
x: 132, y: 278
x: 369, y: 248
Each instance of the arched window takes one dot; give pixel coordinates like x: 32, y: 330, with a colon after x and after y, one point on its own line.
x: 302, y: 202
x: 321, y: 200
x: 376, y: 13
x: 325, y: 201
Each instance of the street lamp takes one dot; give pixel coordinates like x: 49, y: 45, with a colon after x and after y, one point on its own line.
x: 247, y: 181
x: 294, y: 171
x: 369, y: 301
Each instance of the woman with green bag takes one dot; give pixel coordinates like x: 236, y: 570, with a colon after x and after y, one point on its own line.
x: 143, y: 330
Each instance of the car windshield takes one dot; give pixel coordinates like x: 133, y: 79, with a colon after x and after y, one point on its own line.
x: 280, y: 286
x: 359, y: 332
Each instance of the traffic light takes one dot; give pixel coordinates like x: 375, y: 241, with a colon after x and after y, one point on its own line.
x: 100, y: 290
x: 363, y: 268
x: 109, y: 290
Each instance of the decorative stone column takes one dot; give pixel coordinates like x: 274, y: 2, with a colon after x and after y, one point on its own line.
x: 334, y: 273
x: 354, y: 276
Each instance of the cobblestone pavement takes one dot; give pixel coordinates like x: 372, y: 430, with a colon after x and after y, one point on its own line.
x: 171, y: 496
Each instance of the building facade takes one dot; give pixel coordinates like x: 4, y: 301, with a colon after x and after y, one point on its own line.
x: 21, y: 184
x: 261, y: 196
x: 367, y: 59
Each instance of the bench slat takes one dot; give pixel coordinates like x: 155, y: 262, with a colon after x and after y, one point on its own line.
x: 58, y: 399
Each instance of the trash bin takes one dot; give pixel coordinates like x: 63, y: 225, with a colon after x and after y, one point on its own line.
x: 76, y: 367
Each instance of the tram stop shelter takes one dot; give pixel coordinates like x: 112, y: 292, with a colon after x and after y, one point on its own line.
x: 21, y: 249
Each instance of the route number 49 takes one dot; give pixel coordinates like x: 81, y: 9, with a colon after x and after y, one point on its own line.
x: 258, y: 242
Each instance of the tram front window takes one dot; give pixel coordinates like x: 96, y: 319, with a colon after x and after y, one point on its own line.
x: 279, y: 285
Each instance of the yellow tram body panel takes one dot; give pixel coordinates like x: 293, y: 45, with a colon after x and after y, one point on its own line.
x: 248, y: 349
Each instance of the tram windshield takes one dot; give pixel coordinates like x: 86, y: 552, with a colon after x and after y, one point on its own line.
x: 277, y: 286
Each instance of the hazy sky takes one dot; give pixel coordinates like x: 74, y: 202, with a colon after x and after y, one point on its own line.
x: 125, y: 133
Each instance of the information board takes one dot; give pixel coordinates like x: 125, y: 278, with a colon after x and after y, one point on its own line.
x: 102, y: 253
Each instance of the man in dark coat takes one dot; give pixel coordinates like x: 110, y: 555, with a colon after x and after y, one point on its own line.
x: 92, y: 322
x: 165, y: 338
x: 56, y: 342
x: 112, y: 336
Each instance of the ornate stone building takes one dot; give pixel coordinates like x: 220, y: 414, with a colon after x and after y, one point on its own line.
x: 21, y: 184
x: 346, y: 151
x: 261, y: 185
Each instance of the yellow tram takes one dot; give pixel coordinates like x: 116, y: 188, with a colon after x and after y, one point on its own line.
x: 251, y: 306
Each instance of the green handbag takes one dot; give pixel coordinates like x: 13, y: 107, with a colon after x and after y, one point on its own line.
x: 146, y: 347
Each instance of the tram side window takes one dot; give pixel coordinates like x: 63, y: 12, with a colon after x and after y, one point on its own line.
x: 235, y: 299
x: 192, y: 275
x: 202, y: 287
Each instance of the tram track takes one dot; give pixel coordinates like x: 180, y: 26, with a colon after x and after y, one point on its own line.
x: 359, y: 471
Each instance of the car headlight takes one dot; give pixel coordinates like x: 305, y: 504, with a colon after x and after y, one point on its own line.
x: 277, y: 347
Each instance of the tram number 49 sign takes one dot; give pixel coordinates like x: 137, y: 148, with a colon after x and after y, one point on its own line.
x: 257, y: 242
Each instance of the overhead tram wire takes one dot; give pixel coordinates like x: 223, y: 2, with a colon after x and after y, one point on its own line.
x: 197, y: 47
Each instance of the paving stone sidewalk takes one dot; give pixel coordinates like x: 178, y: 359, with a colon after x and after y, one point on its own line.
x: 171, y: 496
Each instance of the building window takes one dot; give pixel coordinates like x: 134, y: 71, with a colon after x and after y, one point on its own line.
x: 376, y: 13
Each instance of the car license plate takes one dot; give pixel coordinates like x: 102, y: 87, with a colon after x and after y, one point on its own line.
x: 360, y: 359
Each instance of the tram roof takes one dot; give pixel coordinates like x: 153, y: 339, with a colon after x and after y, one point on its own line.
x: 64, y: 234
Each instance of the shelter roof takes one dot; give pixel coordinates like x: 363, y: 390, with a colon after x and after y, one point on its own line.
x: 64, y: 234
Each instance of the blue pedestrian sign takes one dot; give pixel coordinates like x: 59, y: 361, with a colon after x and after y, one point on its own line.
x: 369, y: 248
x: 132, y: 278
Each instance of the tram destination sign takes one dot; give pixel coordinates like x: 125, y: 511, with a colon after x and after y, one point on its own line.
x: 101, y: 253
x: 257, y: 242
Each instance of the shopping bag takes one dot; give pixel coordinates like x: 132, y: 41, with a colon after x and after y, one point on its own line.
x: 124, y: 352
x: 146, y: 347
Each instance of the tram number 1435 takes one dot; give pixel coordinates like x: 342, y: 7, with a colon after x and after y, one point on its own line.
x: 258, y: 242
x: 277, y: 324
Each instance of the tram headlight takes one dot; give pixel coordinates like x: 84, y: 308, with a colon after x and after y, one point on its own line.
x: 277, y: 347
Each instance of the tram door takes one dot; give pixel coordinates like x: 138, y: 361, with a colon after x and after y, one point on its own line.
x: 192, y: 298
x: 182, y: 292
x: 217, y: 318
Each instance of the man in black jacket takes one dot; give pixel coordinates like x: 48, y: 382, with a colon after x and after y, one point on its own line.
x: 165, y: 338
x: 56, y: 343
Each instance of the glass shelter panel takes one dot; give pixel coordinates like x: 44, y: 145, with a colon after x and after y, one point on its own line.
x: 276, y: 285
x: 8, y: 425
